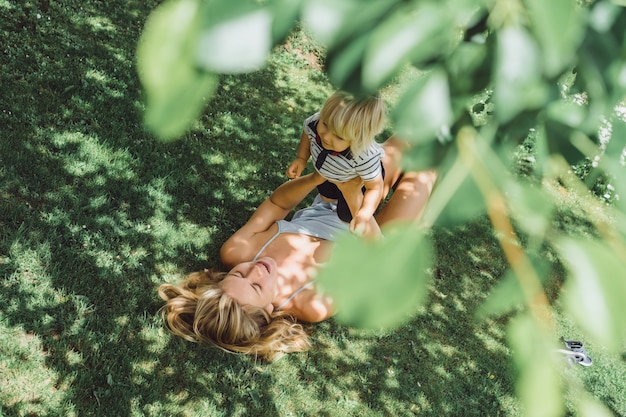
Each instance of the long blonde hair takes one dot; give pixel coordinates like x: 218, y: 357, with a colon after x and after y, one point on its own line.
x: 198, y: 310
x: 355, y: 119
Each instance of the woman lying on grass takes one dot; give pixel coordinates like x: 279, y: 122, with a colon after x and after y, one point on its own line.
x: 257, y: 306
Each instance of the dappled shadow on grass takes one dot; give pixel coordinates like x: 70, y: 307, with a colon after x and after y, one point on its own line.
x: 209, y: 382
x: 96, y: 212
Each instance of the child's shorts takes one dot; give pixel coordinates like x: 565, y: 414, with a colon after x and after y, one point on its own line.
x: 331, y: 191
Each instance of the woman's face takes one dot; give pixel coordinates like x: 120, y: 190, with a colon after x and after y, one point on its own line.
x: 331, y: 141
x: 252, y: 283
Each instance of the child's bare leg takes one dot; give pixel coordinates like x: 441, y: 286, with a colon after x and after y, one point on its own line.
x: 352, y: 193
x: 328, y: 200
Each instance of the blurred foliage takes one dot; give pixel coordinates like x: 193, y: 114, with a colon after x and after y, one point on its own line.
x: 551, y: 76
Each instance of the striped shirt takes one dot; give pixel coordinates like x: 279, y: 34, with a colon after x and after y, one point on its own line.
x: 342, y: 166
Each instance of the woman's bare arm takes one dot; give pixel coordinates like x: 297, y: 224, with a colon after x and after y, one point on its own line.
x: 276, y: 207
x: 312, y: 307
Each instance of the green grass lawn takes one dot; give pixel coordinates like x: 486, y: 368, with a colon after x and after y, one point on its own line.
x: 95, y: 213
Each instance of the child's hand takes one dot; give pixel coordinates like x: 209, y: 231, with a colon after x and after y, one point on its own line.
x: 365, y: 226
x: 295, y: 168
x: 359, y: 225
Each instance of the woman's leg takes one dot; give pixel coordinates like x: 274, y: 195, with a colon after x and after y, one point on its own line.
x: 412, y: 190
x: 391, y: 162
x: 409, y: 198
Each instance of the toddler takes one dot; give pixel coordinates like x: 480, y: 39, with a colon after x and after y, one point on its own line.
x: 340, y: 140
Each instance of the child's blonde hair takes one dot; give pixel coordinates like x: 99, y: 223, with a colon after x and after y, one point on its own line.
x: 356, y: 120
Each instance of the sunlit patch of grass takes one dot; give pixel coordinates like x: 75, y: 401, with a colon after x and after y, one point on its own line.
x: 31, y: 267
x: 92, y: 156
x: 100, y: 23
x: 27, y: 385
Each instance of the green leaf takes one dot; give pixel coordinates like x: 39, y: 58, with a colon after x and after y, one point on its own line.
x: 611, y: 161
x: 469, y: 67
x: 345, y: 27
x: 344, y: 64
x: 518, y: 128
x: 518, y: 84
x: 504, y: 298
x: 411, y: 35
x: 566, y: 112
x: 426, y: 156
x: 559, y: 141
x: 378, y: 284
x: 424, y: 110
x: 590, y: 406
x: 176, y: 91
x: 465, y: 203
x: 603, y: 15
x: 616, y: 78
x: 597, y: 57
x: 530, y: 206
x: 285, y: 16
x: 538, y: 384
x: 325, y: 18
x: 236, y: 37
x: 340, y: 22
x: 558, y: 26
x: 595, y: 291
x: 508, y: 293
